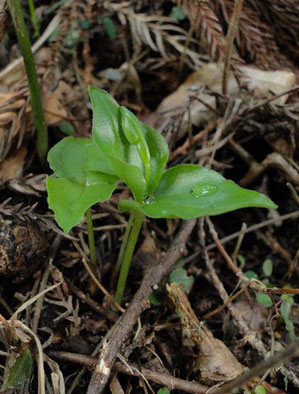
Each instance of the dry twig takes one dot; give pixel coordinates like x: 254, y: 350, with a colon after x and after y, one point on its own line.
x: 123, y: 328
x: 130, y: 369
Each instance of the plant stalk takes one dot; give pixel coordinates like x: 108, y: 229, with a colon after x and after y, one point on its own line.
x: 123, y: 246
x: 36, y: 102
x: 127, y: 256
x: 33, y: 18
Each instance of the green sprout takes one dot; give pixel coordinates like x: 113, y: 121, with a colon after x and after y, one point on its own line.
x: 124, y: 149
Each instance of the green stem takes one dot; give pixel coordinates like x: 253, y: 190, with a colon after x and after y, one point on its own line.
x: 128, y: 253
x: 33, y: 18
x: 124, y: 244
x: 36, y: 102
x: 91, y: 243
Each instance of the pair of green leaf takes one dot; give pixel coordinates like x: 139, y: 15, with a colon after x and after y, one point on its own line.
x: 124, y: 149
x: 84, y: 178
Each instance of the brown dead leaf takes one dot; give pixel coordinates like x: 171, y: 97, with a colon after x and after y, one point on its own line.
x: 54, y: 111
x: 265, y: 84
x: 13, y: 165
x: 12, y: 121
x: 215, y: 361
x: 260, y: 84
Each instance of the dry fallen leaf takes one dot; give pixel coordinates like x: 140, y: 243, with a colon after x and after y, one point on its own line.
x: 260, y: 84
x: 265, y: 84
x: 54, y: 111
x: 12, y: 167
x: 12, y: 121
x: 215, y: 361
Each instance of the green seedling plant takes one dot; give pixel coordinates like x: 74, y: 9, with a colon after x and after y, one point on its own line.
x: 123, y: 149
x: 264, y: 299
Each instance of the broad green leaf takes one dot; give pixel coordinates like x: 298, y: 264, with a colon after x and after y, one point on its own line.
x: 188, y: 191
x: 19, y: 371
x: 151, y: 147
x: 264, y: 299
x: 179, y: 275
x: 136, y: 152
x: 107, y: 133
x: 106, y: 129
x: 159, y: 152
x: 69, y: 200
x: 133, y: 130
x: 267, y: 267
x: 130, y: 126
x: 72, y: 157
x: 130, y: 174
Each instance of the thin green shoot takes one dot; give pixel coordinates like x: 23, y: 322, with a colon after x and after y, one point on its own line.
x: 35, y: 95
x: 33, y: 18
x: 127, y: 257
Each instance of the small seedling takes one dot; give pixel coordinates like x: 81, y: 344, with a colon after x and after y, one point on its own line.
x: 124, y: 149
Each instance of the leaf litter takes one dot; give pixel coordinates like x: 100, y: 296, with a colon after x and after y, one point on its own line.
x: 250, y: 135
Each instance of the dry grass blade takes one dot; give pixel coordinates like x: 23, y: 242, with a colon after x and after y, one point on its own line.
x: 32, y: 300
x: 40, y: 356
x: 101, y: 287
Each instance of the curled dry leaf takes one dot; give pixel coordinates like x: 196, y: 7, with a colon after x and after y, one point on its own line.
x: 54, y: 111
x: 215, y: 361
x: 12, y: 121
x: 12, y: 167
